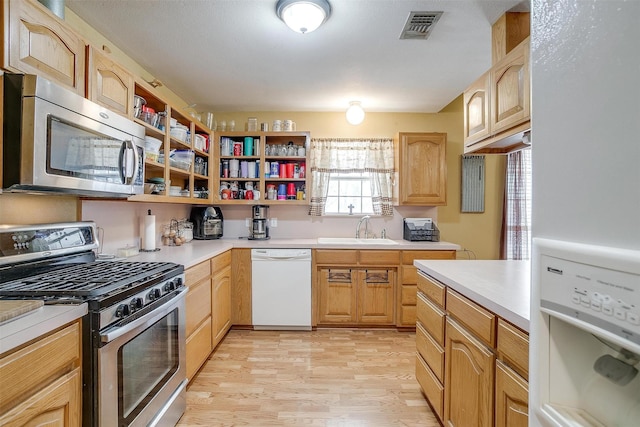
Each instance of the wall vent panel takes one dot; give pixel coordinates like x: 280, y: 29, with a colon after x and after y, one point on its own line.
x: 472, y: 184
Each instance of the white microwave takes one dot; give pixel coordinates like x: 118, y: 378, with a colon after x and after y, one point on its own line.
x: 57, y: 141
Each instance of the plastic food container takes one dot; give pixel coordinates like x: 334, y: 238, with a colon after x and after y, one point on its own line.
x: 179, y: 133
x: 181, y: 159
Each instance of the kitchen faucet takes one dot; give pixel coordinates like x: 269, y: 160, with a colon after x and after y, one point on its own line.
x: 364, y: 219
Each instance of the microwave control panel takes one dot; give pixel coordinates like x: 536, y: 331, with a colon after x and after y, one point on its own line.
x: 603, y: 292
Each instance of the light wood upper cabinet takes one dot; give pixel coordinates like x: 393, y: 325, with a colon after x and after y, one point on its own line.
x: 510, y: 89
x: 108, y: 83
x: 476, y: 110
x: 40, y: 43
x: 422, y: 169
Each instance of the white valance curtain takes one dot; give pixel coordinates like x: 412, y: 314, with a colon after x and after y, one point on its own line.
x: 343, y: 155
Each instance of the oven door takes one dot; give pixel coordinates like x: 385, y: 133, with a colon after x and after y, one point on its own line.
x: 141, y: 368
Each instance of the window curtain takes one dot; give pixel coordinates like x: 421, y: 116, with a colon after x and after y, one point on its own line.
x: 342, y: 155
x: 516, y: 218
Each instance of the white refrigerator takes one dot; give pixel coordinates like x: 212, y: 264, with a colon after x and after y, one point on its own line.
x: 585, y: 67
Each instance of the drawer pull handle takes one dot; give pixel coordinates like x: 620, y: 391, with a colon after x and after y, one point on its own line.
x: 377, y: 277
x: 339, y: 276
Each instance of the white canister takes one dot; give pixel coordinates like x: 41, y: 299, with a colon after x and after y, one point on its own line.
x: 287, y: 125
x: 277, y: 125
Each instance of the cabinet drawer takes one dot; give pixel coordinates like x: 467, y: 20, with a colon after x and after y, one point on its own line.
x: 198, y: 348
x: 434, y: 290
x: 220, y: 261
x: 198, y: 304
x: 53, y: 355
x: 198, y: 272
x: 409, y: 256
x: 408, y: 295
x: 409, y: 275
x: 431, y: 317
x: 339, y: 257
x: 431, y: 352
x: 430, y: 385
x: 513, y: 347
x: 475, y: 318
x: 379, y: 257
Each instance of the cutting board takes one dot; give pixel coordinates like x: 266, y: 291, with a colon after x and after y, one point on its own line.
x: 14, y: 308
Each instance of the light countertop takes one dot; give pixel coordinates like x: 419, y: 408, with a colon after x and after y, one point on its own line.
x: 196, y: 251
x: 502, y: 287
x: 36, y: 323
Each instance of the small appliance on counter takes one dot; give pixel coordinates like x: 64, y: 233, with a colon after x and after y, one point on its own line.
x: 420, y: 229
x: 259, y: 222
x: 207, y: 222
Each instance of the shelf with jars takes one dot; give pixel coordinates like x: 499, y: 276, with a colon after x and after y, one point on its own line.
x: 177, y: 151
x: 261, y: 167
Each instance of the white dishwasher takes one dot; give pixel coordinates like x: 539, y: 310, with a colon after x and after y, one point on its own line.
x: 281, y: 289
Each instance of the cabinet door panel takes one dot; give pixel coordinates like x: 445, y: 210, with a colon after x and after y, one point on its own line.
x: 198, y: 303
x: 476, y: 110
x: 430, y: 385
x: 469, y: 373
x: 423, y: 169
x: 221, y: 305
x: 511, y: 89
x: 198, y: 348
x: 338, y: 299
x: 512, y: 397
x: 375, y: 296
x: 108, y: 83
x: 41, y: 44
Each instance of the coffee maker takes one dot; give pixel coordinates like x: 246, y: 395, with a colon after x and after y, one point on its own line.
x: 259, y: 222
x: 207, y: 222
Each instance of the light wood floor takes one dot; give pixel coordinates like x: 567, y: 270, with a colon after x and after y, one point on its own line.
x: 329, y: 377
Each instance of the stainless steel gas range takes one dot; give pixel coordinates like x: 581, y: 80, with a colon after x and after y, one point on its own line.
x: 134, y: 333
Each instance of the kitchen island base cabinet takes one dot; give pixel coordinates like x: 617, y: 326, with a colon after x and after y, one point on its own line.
x: 469, y: 379
x: 512, y: 397
x: 50, y: 394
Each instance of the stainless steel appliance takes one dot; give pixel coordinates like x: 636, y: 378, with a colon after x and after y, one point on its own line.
x: 259, y: 222
x: 133, y: 340
x: 207, y: 222
x: 56, y: 140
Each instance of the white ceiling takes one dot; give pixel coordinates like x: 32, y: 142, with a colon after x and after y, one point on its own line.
x: 236, y: 55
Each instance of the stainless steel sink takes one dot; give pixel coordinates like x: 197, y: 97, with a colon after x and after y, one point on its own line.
x: 354, y: 241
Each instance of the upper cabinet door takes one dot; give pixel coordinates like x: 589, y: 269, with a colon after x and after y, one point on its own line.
x: 476, y: 110
x: 40, y: 43
x: 422, y: 169
x: 108, y: 83
x: 510, y: 89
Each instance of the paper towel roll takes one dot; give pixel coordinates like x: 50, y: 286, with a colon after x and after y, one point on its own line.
x: 149, y: 233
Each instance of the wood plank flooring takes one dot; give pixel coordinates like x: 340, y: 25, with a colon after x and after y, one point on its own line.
x: 328, y: 377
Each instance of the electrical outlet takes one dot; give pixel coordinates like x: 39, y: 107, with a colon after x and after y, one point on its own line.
x: 274, y: 222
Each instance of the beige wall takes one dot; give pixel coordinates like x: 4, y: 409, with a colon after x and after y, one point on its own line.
x: 476, y: 232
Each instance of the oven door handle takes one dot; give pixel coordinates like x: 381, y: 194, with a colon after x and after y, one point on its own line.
x: 149, y: 318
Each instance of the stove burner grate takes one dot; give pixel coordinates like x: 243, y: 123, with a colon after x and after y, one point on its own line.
x: 86, y: 279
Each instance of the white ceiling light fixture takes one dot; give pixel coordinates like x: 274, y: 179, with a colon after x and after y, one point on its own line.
x: 303, y: 16
x: 355, y: 113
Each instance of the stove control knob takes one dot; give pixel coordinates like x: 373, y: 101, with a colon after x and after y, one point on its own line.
x: 123, y: 310
x: 136, y: 304
x: 169, y: 286
x: 178, y: 282
x: 154, y: 294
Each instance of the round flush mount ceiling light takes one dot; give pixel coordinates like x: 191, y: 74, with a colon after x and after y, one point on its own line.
x: 303, y: 16
x: 355, y: 113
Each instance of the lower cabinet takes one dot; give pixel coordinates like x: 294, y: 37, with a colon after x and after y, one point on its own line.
x: 469, y: 374
x: 357, y: 296
x: 50, y: 394
x: 472, y: 365
x: 241, y: 289
x: 208, y: 305
x: 512, y: 398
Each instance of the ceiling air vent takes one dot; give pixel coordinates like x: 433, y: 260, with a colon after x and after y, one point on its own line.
x: 419, y: 25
